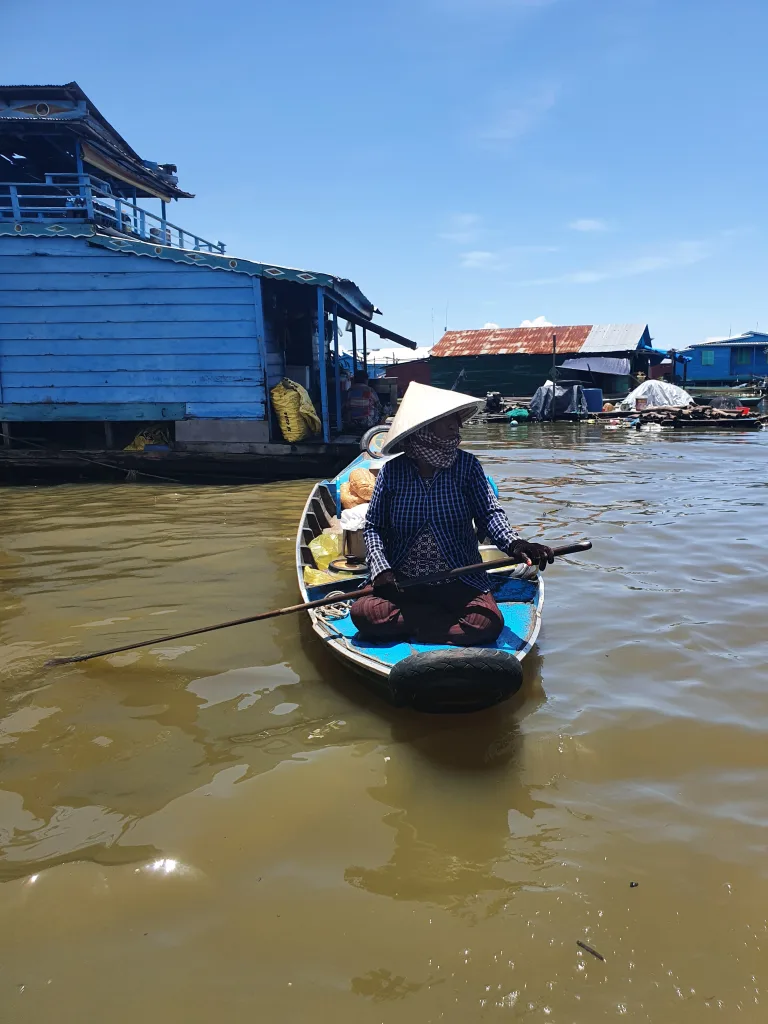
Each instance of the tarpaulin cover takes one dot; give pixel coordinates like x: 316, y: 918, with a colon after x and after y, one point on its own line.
x: 568, y: 400
x: 657, y: 392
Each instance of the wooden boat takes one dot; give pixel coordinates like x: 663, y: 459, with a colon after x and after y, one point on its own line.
x: 429, y: 678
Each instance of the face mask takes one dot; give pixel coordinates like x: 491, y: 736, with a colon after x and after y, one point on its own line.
x: 438, y: 452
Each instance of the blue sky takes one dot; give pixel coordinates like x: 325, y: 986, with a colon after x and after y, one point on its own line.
x: 588, y: 161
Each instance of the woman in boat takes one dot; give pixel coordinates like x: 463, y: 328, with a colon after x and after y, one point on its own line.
x: 428, y: 508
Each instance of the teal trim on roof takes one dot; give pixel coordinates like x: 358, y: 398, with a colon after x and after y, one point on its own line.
x: 346, y: 291
x: 40, y: 229
x: 341, y: 289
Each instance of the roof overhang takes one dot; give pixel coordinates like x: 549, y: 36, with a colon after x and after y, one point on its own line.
x: 75, y: 113
x: 96, y: 158
x: 382, y: 332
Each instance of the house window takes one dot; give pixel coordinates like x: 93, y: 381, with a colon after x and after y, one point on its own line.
x: 743, y: 356
x: 707, y: 357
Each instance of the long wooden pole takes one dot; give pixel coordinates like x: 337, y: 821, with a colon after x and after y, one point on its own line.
x: 465, y: 570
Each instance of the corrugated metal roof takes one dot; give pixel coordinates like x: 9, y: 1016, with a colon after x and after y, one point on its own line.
x: 750, y: 338
x: 500, y: 341
x: 617, y: 338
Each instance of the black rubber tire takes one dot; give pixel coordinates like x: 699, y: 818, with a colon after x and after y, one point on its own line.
x: 366, y: 438
x: 455, y: 681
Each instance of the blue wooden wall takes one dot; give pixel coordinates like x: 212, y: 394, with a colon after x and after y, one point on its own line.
x: 86, y: 325
x: 725, y: 368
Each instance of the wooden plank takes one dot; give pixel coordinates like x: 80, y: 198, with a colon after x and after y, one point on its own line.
x: 63, y: 245
x: 212, y: 361
x: 162, y: 395
x: 125, y: 331
x: 132, y: 297
x: 226, y: 410
x: 112, y: 411
x: 27, y: 279
x: 118, y: 379
x: 192, y: 312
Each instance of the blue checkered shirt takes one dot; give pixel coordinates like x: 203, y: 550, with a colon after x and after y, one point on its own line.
x: 458, y: 505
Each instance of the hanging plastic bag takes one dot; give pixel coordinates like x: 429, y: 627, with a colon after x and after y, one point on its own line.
x: 295, y: 412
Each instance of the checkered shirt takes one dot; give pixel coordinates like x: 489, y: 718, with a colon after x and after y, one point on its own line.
x: 458, y: 506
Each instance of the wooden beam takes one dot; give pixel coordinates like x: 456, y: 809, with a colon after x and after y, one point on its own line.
x: 45, y: 412
x: 323, y: 364
x: 337, y: 368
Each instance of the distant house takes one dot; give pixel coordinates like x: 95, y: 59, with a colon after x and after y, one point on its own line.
x: 728, y: 361
x: 516, y: 361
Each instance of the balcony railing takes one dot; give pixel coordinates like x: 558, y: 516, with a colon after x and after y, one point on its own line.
x: 63, y: 198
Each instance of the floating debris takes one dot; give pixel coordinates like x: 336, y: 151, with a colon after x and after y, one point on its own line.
x: 590, y: 950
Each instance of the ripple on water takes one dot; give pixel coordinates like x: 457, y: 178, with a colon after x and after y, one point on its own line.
x: 234, y: 814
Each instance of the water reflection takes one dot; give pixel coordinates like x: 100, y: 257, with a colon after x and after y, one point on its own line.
x: 460, y: 860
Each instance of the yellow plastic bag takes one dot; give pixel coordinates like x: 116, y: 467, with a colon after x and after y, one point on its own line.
x: 295, y: 412
x: 318, y: 577
x: 325, y: 548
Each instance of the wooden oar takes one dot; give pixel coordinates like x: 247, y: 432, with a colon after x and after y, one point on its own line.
x: 465, y: 570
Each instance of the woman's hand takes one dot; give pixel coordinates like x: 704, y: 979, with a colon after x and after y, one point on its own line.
x: 532, y: 554
x: 385, y: 585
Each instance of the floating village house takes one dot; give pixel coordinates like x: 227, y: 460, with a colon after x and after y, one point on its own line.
x: 113, y: 317
x: 518, y: 360
x: 728, y: 361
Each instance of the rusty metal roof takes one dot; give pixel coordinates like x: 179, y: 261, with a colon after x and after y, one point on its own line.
x: 501, y: 341
x: 508, y: 341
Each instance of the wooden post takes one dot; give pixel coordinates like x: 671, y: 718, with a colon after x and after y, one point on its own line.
x: 337, y: 368
x: 6, y: 428
x: 354, y: 350
x: 109, y: 435
x: 554, y: 374
x: 365, y: 351
x: 323, y: 364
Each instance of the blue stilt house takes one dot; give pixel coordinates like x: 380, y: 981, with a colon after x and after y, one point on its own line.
x: 729, y: 361
x: 112, y: 315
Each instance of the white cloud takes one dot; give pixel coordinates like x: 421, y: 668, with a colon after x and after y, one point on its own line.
x: 480, y: 259
x: 588, y: 224
x: 462, y: 229
x: 680, y: 254
x: 499, y: 259
x: 540, y: 321
x: 515, y: 116
x: 490, y: 326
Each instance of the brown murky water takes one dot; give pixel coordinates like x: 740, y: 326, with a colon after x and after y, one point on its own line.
x: 228, y: 828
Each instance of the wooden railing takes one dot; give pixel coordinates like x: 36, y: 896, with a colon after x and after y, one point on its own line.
x: 63, y: 198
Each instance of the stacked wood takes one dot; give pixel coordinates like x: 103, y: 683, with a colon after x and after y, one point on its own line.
x: 698, y: 415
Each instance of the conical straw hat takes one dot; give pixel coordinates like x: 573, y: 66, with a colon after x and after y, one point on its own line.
x: 422, y: 405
